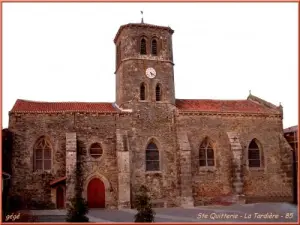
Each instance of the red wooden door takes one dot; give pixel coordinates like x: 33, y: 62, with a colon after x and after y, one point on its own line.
x: 60, y: 198
x: 96, y: 194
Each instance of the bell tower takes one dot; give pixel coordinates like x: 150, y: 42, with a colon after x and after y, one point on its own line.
x: 144, y: 65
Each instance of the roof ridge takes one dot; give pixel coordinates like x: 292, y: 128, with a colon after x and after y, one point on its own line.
x: 261, y: 101
x: 33, y: 101
x: 38, y: 106
x: 291, y: 129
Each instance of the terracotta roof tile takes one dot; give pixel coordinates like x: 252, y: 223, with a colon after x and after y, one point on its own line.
x: 48, y: 107
x: 291, y: 129
x: 245, y: 106
x: 57, y: 180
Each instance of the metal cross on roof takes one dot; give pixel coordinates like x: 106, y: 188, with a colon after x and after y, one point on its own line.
x: 142, y: 17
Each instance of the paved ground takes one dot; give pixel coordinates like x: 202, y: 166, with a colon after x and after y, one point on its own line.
x: 260, y: 212
x: 52, y: 218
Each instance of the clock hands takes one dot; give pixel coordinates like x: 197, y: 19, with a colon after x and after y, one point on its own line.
x: 150, y: 72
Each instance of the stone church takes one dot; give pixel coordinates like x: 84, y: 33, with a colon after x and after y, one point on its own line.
x: 188, y: 152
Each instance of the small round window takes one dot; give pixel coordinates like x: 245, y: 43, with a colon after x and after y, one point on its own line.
x: 96, y: 150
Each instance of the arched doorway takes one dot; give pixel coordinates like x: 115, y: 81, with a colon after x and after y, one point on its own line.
x: 60, y: 198
x: 96, y: 194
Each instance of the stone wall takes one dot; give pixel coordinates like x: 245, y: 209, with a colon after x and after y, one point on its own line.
x: 151, y: 120
x: 130, y: 43
x: 155, y: 123
x: 131, y: 75
x: 124, y: 176
x: 71, y: 167
x: 100, y: 128
x: 131, y: 72
x: 89, y: 128
x: 178, y: 138
x: 209, y: 183
x: 186, y: 182
x: 26, y: 129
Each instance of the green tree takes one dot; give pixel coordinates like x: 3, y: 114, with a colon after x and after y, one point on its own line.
x: 144, y: 207
x: 78, y: 208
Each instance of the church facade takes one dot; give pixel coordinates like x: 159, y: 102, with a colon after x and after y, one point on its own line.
x: 188, y: 152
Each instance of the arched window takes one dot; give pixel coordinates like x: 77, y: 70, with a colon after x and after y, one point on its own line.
x: 158, y: 92
x: 154, y: 47
x: 152, y: 157
x: 254, y: 156
x: 143, y: 47
x: 206, y: 154
x: 143, y: 92
x: 96, y: 150
x: 42, y: 154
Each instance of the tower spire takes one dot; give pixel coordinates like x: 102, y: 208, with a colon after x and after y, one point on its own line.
x: 142, y: 17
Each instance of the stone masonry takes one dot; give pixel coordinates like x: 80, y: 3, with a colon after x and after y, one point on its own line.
x: 71, y: 159
x: 175, y: 129
x: 123, y: 170
x: 185, y: 171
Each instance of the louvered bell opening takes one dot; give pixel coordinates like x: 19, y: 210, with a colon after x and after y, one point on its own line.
x: 143, y: 47
x: 142, y: 94
x: 158, y: 93
x: 154, y: 47
x: 118, y: 55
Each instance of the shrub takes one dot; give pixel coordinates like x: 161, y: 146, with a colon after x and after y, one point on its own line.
x: 144, y: 207
x: 15, y: 203
x: 77, y: 210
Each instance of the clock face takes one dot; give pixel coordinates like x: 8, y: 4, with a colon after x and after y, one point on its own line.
x: 150, y: 72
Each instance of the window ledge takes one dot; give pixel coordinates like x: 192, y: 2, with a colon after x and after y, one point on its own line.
x: 144, y: 101
x: 256, y: 169
x: 91, y: 158
x: 39, y: 172
x: 207, y: 169
x: 153, y: 172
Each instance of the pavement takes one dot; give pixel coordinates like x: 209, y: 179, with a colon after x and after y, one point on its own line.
x: 258, y: 212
